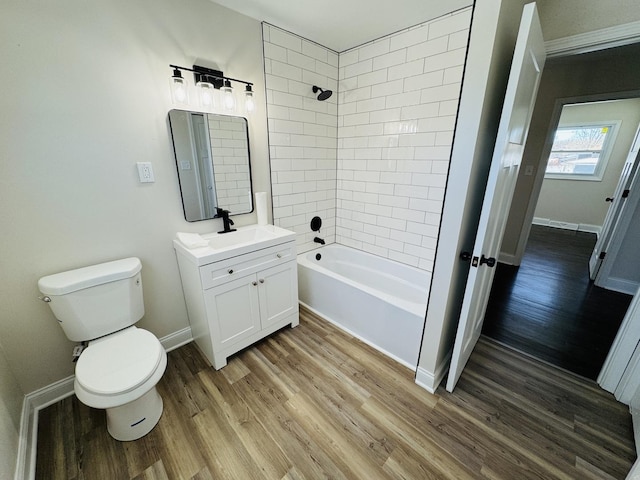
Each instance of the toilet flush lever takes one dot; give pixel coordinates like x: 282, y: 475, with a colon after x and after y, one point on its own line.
x: 45, y: 299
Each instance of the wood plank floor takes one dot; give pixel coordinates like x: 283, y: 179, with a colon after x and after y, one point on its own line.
x: 550, y: 309
x: 312, y: 402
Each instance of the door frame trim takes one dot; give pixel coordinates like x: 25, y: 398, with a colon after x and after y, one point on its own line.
x: 595, y: 40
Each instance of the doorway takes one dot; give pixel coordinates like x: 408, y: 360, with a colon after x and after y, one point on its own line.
x: 578, y: 343
x: 549, y: 308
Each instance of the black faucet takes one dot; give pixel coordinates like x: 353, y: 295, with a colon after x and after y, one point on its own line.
x: 319, y: 240
x: 227, y: 222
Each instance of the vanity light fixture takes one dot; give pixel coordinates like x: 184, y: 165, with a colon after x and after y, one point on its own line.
x: 208, y: 81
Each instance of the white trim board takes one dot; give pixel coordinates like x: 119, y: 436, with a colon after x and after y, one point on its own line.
x: 43, y: 397
x: 602, y: 39
x: 510, y: 259
x: 430, y: 381
x: 576, y: 227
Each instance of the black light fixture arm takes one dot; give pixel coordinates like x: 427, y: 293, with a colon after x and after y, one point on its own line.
x: 208, y: 72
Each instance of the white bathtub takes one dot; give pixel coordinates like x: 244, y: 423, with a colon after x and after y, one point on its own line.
x: 376, y: 300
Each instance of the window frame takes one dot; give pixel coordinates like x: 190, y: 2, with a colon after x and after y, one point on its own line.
x: 603, y: 159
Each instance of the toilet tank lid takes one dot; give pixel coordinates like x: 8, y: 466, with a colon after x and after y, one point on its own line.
x: 80, y: 278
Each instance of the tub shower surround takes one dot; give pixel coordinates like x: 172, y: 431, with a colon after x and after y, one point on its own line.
x: 396, y: 109
x: 302, y: 133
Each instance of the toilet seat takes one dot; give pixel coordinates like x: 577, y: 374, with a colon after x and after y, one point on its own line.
x: 119, y: 363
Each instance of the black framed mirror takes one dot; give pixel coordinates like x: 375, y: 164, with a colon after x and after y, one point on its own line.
x: 213, y: 163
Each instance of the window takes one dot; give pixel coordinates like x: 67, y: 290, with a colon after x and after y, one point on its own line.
x: 580, y: 152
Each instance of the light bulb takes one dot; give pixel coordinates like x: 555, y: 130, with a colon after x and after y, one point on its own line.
x: 249, y: 104
x: 229, y: 100
x: 205, y: 93
x: 179, y: 88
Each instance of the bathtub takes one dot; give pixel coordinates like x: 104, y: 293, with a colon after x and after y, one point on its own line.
x: 379, y: 301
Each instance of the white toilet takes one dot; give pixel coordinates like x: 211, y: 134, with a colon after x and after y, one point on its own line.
x: 122, y: 364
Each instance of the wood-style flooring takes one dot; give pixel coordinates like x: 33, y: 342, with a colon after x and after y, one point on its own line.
x: 550, y: 309
x: 312, y: 402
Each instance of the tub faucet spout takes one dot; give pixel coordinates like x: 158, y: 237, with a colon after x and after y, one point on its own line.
x: 319, y: 240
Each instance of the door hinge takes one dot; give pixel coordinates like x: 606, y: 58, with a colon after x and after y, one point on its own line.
x: 625, y: 194
x: 602, y: 255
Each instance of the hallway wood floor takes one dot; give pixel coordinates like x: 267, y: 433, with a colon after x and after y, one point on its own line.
x: 550, y: 309
x: 312, y: 402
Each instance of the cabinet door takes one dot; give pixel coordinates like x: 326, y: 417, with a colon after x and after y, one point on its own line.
x: 278, y: 293
x: 233, y: 310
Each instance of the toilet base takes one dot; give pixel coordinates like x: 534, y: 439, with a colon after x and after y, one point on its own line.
x: 135, y: 419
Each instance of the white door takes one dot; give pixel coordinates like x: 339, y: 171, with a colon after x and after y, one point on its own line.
x: 621, y: 351
x: 524, y: 78
x: 612, y: 219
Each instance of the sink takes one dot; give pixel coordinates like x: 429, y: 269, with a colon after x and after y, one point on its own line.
x: 254, y: 234
x: 243, y: 240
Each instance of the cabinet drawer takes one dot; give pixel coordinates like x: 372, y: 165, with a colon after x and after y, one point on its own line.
x: 224, y: 271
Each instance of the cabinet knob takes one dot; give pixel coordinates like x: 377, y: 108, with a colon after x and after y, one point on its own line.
x: 261, y: 280
x: 278, y: 255
x: 254, y: 283
x: 230, y: 271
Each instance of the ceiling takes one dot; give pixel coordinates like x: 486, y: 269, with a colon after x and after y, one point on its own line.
x: 343, y: 24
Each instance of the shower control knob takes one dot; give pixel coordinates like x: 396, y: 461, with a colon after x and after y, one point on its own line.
x: 254, y: 283
x: 261, y: 280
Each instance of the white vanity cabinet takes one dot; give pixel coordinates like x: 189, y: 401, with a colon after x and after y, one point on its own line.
x: 234, y: 302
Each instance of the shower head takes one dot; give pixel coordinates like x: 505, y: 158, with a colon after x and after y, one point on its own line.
x: 324, y: 94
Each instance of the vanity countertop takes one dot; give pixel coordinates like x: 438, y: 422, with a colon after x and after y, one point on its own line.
x: 222, y: 246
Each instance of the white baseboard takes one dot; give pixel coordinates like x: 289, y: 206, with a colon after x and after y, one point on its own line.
x: 43, y: 397
x: 507, y: 258
x: 619, y: 285
x: 576, y: 227
x: 430, y: 381
x: 177, y: 339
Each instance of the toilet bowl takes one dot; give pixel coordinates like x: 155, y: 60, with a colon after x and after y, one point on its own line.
x: 119, y: 369
x: 119, y: 373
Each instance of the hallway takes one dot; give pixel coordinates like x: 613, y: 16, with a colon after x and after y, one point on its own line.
x: 550, y: 309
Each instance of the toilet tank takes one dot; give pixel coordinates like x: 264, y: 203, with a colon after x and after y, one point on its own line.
x: 94, y: 301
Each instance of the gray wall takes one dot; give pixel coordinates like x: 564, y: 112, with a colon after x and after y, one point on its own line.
x: 85, y: 96
x: 582, y: 201
x: 572, y: 17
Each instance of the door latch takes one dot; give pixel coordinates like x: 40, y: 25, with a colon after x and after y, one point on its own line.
x: 491, y: 262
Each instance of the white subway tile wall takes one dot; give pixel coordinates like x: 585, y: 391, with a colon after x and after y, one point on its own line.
x: 231, y: 170
x: 397, y: 105
x: 302, y: 134
x: 372, y: 160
